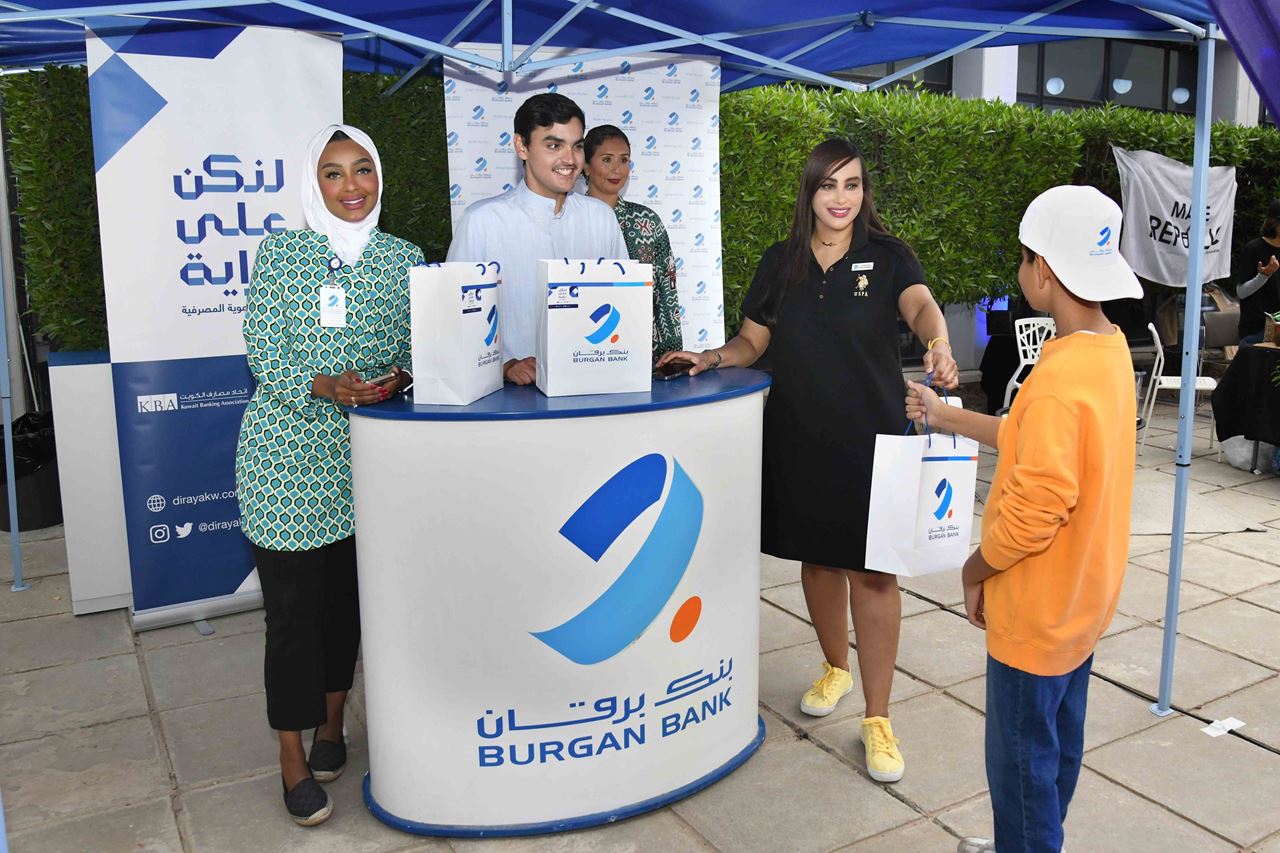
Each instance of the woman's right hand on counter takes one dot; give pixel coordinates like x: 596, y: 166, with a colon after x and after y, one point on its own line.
x: 348, y: 389
x: 701, y: 361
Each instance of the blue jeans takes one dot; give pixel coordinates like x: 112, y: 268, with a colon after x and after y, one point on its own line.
x: 1255, y: 338
x: 1035, y: 741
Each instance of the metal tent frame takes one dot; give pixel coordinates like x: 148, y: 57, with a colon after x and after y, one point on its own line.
x: 756, y: 65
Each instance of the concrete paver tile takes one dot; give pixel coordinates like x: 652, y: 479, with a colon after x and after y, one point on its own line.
x: 70, y: 696
x: 1209, y: 787
x: 941, y: 648
x: 1252, y: 507
x: 203, y: 671
x: 1215, y: 473
x: 922, y: 835
x: 223, y: 626
x: 249, y: 815
x: 40, y: 558
x: 1271, y: 845
x: 775, y: 728
x: 779, y: 629
x: 1144, y: 592
x: 941, y: 588
x: 69, y: 773
x: 230, y: 737
x: 1244, y: 629
x: 941, y: 743
x: 1202, y: 673
x: 51, y: 640
x: 776, y: 572
x: 48, y: 596
x: 1259, y: 546
x: 1103, y: 817
x: 146, y: 828
x: 1160, y: 478
x: 1120, y: 623
x: 1265, y: 487
x: 1267, y: 596
x: 1215, y: 568
x: 793, y: 797
x: 1147, y: 544
x: 660, y: 830
x: 1254, y: 706
x: 790, y: 597
x: 786, y: 674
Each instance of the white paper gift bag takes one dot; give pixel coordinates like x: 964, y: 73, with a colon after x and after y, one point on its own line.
x: 453, y: 315
x: 921, y: 514
x: 595, y: 327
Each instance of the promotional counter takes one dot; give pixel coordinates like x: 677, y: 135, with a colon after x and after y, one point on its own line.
x: 559, y: 602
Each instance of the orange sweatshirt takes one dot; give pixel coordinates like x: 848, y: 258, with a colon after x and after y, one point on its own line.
x: 1056, y: 526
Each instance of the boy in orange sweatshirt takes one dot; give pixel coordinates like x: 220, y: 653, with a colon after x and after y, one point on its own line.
x: 1045, y: 580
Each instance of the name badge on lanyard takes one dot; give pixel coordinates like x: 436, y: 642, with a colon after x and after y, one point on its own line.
x: 333, y: 299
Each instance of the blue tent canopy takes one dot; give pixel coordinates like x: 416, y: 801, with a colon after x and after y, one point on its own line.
x: 393, y: 36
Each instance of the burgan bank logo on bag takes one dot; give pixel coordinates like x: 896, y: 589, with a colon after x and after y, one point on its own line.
x: 492, y: 334
x: 625, y: 610
x: 944, y: 492
x: 606, y: 318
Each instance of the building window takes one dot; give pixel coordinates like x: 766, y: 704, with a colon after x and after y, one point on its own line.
x: 935, y: 78
x: 1075, y: 73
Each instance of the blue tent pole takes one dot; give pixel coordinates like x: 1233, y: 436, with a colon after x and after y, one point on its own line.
x: 6, y: 412
x: 1190, y: 350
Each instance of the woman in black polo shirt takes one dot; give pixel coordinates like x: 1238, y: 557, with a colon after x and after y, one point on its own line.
x: 1257, y: 284
x: 826, y: 303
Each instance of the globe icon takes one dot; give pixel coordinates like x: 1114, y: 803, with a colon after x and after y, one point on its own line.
x: 155, y: 503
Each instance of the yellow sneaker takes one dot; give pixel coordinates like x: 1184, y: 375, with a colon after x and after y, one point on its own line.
x: 820, y: 699
x: 884, y: 761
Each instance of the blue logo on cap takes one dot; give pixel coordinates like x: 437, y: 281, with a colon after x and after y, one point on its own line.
x: 607, y: 317
x: 1105, y: 234
x: 628, y: 607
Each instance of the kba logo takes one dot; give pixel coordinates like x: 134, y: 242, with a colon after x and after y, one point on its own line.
x: 682, y: 312
x: 648, y: 93
x: 720, y: 310
x: 715, y: 73
x: 627, y: 117
x: 454, y: 191
x: 694, y: 94
x: 650, y: 142
x: 698, y: 239
x: 701, y: 287
x: 671, y: 69
x: 697, y: 191
x: 607, y: 318
x: 624, y: 68
x: 449, y: 86
x: 944, y: 491
x: 715, y: 120
x: 676, y: 215
x: 696, y: 144
x: 148, y: 403
x: 625, y: 610
x: 675, y: 167
x: 715, y: 168
x: 477, y: 112
x: 577, y: 68
x: 451, y: 138
x: 679, y: 263
x: 602, y: 91
x: 503, y: 87
x: 481, y: 164
x: 702, y: 335
x: 653, y: 191
x: 673, y: 119
x: 493, y: 326
x: 504, y: 139
x: 553, y: 88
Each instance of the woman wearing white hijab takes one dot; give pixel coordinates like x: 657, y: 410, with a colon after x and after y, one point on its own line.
x: 327, y: 310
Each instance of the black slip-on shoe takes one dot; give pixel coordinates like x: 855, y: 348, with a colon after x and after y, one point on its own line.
x: 307, y: 803
x: 327, y: 759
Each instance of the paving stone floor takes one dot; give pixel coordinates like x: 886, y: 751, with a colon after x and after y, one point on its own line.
x: 158, y: 742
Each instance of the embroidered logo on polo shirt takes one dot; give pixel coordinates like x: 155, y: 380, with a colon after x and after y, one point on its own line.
x: 861, y: 286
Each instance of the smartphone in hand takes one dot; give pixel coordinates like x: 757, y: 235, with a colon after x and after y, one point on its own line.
x: 672, y: 369
x: 383, y: 379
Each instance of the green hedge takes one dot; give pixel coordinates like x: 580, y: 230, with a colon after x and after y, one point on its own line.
x: 950, y: 176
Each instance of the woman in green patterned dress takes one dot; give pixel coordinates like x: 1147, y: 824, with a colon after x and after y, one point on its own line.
x: 328, y: 309
x: 607, y: 152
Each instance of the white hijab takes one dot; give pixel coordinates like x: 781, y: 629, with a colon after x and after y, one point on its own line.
x: 347, y: 238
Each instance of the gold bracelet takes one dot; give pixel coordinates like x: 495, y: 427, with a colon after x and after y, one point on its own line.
x: 934, y: 341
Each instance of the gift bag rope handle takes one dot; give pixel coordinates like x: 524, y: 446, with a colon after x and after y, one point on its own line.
x: 928, y: 381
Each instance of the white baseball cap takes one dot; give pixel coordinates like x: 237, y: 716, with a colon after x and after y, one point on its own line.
x: 1077, y: 231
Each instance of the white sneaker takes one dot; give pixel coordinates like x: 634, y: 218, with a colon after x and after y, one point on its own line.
x: 974, y: 844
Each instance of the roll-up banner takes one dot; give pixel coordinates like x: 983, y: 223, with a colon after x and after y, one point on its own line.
x: 669, y: 107
x: 198, y: 136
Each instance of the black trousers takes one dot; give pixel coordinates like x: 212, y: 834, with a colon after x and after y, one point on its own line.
x: 312, y: 605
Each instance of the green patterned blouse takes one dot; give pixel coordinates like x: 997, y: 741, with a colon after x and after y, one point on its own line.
x: 647, y: 242
x: 293, y: 463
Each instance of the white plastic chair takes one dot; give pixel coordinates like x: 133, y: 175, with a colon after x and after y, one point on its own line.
x: 1031, y: 333
x: 1160, y: 383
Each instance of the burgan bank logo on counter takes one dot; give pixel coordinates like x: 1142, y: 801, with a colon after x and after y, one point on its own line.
x: 624, y: 611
